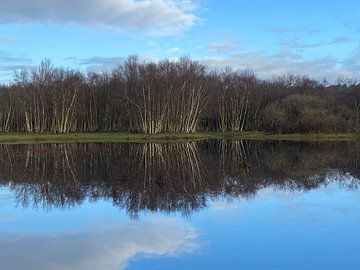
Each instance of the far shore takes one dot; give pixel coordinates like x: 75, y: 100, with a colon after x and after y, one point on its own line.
x: 27, y: 138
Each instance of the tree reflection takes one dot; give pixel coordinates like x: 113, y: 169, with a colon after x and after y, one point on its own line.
x: 170, y: 177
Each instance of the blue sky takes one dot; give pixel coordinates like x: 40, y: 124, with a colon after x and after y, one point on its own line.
x: 317, y: 38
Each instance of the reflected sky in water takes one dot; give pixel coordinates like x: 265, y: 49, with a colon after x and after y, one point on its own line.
x: 279, y: 225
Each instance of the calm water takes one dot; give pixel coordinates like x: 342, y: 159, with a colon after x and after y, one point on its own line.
x: 201, y: 205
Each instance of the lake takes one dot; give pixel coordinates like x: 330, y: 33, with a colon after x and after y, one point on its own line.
x: 190, y: 205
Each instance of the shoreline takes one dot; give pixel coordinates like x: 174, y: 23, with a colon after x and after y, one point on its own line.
x: 27, y: 138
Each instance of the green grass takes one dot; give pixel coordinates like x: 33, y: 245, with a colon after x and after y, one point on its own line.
x: 26, y: 138
x: 302, y: 136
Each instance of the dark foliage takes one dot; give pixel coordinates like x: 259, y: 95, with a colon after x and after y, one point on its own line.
x: 169, y: 177
x: 174, y: 97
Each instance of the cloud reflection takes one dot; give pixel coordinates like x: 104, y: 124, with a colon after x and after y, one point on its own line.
x: 105, y: 249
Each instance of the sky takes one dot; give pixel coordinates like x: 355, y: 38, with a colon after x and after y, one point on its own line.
x: 318, y: 38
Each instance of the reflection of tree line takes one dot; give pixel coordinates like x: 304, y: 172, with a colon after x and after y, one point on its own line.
x: 169, y: 177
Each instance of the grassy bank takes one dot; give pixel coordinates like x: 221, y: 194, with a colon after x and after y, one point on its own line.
x: 25, y: 138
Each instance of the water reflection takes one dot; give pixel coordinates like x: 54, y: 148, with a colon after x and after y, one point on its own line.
x: 170, y: 177
x: 96, y: 248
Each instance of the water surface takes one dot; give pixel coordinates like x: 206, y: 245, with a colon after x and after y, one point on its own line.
x: 196, y: 205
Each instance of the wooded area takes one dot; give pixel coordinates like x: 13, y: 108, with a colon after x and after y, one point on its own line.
x: 168, y: 177
x: 174, y: 97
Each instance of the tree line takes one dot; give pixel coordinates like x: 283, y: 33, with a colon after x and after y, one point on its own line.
x: 171, y: 177
x: 174, y: 96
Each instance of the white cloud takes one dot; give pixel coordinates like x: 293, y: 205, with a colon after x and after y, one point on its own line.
x: 156, y: 16
x: 298, y: 44
x: 263, y: 63
x: 108, y: 249
x: 267, y: 64
x: 293, y: 30
x: 353, y: 62
x: 174, y: 50
x: 9, y: 63
x: 342, y: 39
x: 222, y: 46
x: 98, y: 63
x: 7, y: 38
x: 6, y: 57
